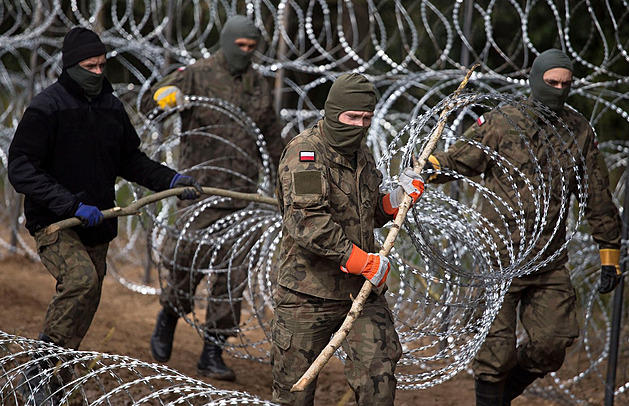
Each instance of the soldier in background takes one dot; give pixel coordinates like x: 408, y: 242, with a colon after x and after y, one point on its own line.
x: 72, y: 142
x: 330, y: 202
x: 546, y: 297
x: 226, y: 75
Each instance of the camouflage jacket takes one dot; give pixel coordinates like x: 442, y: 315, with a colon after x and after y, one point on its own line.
x: 228, y: 164
x: 517, y: 138
x: 326, y: 206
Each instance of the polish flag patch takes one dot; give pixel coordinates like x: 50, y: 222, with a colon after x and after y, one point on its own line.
x: 480, y: 120
x: 306, y: 156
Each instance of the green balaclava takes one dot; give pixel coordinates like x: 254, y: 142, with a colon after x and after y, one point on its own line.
x: 92, y: 83
x: 350, y: 92
x: 551, y: 97
x: 235, y: 27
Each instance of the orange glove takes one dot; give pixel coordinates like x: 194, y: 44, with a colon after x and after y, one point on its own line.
x: 410, y: 183
x: 374, y: 267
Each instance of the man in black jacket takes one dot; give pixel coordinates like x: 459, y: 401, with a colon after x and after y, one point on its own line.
x: 73, y: 141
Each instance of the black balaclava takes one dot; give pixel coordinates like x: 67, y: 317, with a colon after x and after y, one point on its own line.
x: 92, y: 83
x: 544, y: 93
x: 237, y: 26
x: 350, y: 92
x: 80, y: 44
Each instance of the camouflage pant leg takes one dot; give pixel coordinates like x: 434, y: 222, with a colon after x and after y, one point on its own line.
x: 179, y: 285
x: 227, y: 284
x: 79, y: 271
x: 302, y: 327
x: 222, y: 315
x: 547, y: 313
x: 185, y: 257
x: 373, y: 349
x: 225, y: 271
x: 497, y: 354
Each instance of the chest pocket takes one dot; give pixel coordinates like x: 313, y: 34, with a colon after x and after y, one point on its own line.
x: 341, y: 188
x: 75, y: 128
x: 111, y: 140
x: 516, y: 151
x: 370, y: 193
x: 564, y: 171
x: 520, y: 163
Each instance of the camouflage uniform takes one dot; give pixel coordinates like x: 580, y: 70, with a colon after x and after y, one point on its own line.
x: 327, y: 205
x: 223, y: 308
x: 211, y: 77
x: 547, y: 297
x: 230, y: 170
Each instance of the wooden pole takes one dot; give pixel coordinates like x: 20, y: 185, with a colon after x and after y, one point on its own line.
x: 134, y: 207
x: 358, y: 303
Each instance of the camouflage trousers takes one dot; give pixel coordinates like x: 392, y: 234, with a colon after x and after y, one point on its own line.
x: 189, y: 261
x: 301, y: 328
x: 548, y: 315
x: 79, y: 271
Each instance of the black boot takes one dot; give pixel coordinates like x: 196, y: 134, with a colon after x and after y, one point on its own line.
x: 162, y: 338
x: 36, y: 389
x: 211, y: 363
x: 517, y: 380
x: 488, y: 393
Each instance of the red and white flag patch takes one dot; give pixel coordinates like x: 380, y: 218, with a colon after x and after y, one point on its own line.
x: 306, y: 156
x: 480, y: 120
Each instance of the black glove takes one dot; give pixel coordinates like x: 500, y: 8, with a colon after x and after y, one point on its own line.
x: 428, y: 166
x: 192, y: 193
x: 610, y: 277
x: 90, y: 215
x: 432, y: 164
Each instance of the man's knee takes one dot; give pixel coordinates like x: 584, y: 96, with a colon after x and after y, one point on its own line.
x: 377, y: 389
x: 83, y: 280
x: 544, y: 356
x: 283, y: 396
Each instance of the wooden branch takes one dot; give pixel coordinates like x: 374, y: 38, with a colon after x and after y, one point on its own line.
x: 357, y: 305
x: 134, y: 208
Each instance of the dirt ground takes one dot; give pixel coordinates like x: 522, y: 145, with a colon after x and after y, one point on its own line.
x: 26, y: 288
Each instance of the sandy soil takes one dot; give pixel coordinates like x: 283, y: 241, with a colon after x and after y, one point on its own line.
x: 26, y: 288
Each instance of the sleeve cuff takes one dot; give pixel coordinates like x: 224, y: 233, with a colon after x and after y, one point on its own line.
x: 388, y: 205
x: 610, y: 256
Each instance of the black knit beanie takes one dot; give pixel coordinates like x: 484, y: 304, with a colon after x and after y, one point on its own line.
x: 80, y: 44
